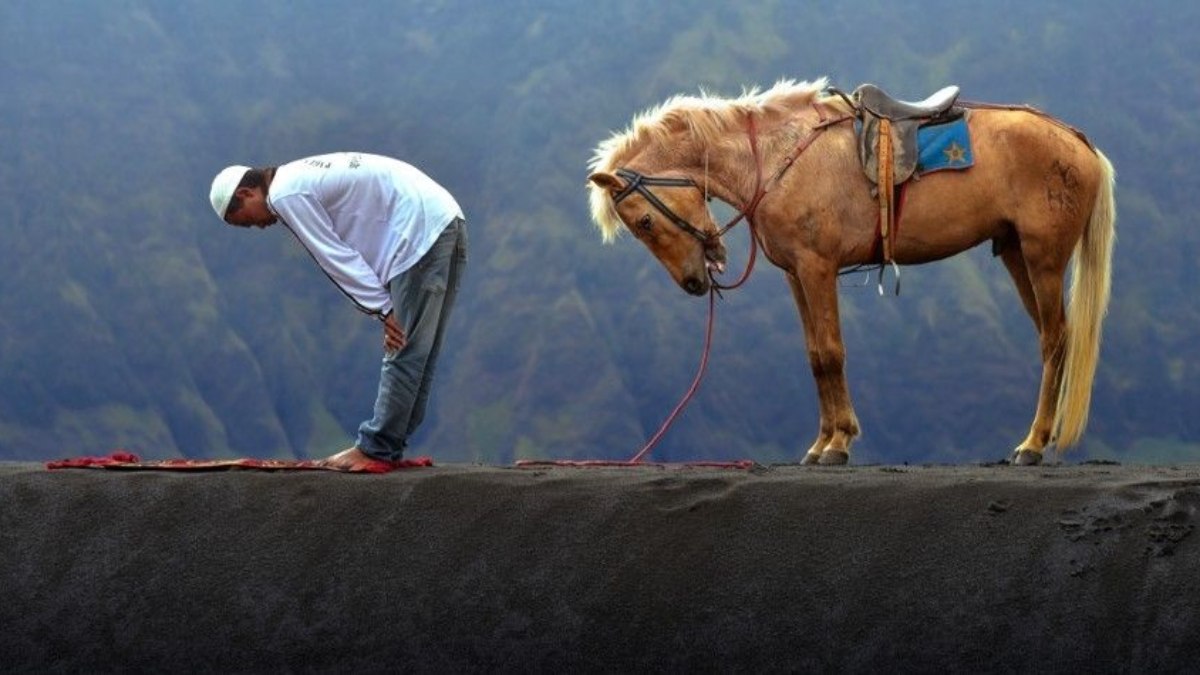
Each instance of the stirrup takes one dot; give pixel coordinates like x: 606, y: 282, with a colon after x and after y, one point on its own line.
x: 896, y: 269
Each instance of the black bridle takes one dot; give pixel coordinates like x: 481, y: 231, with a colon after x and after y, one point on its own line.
x: 636, y: 182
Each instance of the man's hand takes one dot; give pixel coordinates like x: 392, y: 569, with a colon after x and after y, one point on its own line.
x: 394, y: 338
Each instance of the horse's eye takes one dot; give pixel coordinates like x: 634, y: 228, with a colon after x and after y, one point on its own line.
x: 645, y: 222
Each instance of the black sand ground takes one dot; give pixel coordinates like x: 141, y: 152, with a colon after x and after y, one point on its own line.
x: 468, y: 569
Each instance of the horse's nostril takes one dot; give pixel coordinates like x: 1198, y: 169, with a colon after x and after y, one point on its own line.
x: 693, y: 285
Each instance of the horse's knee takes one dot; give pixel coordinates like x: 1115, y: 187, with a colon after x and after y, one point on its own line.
x: 814, y: 360
x: 829, y: 360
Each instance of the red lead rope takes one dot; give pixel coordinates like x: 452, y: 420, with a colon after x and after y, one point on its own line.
x: 708, y: 331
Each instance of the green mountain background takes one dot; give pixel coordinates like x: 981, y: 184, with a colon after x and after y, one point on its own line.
x: 131, y: 318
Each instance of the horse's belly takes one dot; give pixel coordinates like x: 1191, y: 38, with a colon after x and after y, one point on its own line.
x: 936, y: 224
x: 923, y: 240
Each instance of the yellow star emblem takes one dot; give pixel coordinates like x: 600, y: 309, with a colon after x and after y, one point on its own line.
x: 955, y: 154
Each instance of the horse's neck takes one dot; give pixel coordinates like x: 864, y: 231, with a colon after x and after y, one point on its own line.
x: 739, y: 165
x: 742, y: 165
x: 781, y: 142
x: 718, y: 169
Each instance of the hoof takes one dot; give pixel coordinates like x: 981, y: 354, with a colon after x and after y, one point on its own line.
x: 811, y: 458
x: 834, y: 458
x: 1026, y: 457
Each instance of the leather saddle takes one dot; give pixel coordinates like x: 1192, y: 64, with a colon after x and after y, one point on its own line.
x: 887, y: 144
x: 903, y: 118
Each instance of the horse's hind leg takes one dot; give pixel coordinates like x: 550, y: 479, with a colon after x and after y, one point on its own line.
x: 1014, y: 262
x: 1040, y: 287
x: 817, y: 303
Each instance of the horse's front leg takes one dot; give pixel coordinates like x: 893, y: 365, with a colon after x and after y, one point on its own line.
x: 816, y: 298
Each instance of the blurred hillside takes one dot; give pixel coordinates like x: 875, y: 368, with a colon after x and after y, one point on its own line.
x: 130, y: 317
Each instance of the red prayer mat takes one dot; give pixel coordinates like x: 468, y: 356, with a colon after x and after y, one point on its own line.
x: 130, y: 462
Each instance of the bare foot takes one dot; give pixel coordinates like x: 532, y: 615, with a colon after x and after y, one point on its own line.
x: 350, y: 459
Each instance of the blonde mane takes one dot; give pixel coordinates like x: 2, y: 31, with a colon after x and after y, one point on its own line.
x: 708, y: 118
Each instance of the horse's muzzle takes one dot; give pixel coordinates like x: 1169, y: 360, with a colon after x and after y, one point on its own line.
x: 695, y: 285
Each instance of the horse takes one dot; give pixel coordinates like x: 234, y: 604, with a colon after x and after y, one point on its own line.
x: 787, y: 159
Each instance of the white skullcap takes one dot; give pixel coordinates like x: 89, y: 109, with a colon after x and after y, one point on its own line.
x: 223, y: 187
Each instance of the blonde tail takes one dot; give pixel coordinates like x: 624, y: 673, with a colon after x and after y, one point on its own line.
x: 1091, y: 280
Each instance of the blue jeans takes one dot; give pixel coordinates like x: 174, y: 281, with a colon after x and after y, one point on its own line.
x: 422, y: 297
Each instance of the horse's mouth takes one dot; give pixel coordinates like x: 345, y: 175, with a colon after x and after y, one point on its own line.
x: 714, y: 259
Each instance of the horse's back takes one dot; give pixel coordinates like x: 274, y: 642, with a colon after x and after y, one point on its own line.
x: 1030, y: 151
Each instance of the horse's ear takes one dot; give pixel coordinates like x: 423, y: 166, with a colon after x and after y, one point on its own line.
x: 607, y: 181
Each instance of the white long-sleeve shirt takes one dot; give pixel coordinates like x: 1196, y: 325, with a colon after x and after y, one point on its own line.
x: 364, y: 218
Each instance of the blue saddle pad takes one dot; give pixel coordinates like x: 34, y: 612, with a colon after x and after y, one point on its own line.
x: 944, y: 146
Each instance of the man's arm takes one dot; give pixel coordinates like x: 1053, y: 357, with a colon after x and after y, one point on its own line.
x: 310, y: 223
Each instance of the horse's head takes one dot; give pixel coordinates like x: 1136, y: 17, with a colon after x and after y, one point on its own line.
x: 669, y: 215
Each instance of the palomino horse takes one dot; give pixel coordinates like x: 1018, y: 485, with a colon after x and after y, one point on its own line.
x: 787, y: 160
